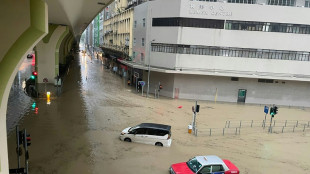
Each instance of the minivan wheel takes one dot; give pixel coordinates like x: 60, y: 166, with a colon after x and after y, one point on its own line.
x: 158, y: 144
x: 127, y: 139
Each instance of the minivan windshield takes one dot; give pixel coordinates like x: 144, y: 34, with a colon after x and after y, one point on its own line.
x: 193, y: 164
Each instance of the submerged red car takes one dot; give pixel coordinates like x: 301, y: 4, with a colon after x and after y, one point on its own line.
x: 210, y: 164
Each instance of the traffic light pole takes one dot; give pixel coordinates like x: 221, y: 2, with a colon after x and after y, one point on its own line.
x: 26, y: 151
x: 270, y: 124
x: 194, y: 120
x: 17, y: 149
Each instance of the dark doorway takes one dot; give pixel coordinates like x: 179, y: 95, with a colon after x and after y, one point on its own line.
x: 241, y: 95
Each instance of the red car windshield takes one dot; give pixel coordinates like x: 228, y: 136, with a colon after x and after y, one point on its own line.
x: 193, y: 164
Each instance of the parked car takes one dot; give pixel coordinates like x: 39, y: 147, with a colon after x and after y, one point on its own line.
x: 29, y: 56
x: 204, y: 165
x: 148, y: 133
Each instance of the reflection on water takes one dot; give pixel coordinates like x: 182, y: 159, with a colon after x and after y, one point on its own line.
x: 19, y: 104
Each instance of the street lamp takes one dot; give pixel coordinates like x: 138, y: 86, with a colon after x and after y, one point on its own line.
x: 148, y: 75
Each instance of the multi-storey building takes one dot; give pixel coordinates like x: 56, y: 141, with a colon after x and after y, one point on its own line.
x: 118, y: 30
x: 235, y: 51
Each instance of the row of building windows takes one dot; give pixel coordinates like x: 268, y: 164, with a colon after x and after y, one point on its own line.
x: 282, y: 2
x: 242, y: 1
x: 232, y: 25
x: 135, y: 23
x: 231, y: 52
x: 267, y: 27
x: 135, y: 41
x: 259, y: 80
x: 188, y: 22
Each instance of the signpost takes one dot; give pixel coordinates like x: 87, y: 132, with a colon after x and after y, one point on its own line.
x: 195, y: 109
x: 266, y: 109
x: 136, y: 75
x: 142, y: 83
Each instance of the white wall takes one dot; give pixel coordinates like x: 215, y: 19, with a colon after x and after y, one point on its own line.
x: 139, y: 32
x: 46, y: 56
x: 277, y: 69
x: 166, y: 80
x: 164, y: 60
x: 198, y: 87
x: 242, y: 39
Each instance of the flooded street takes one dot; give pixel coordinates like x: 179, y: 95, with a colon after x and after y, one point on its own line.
x: 79, y: 131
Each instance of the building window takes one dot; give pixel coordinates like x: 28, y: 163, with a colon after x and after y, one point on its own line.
x: 231, y: 52
x: 188, y: 22
x: 242, y: 1
x: 134, y: 54
x: 282, y: 2
x: 135, y: 24
x: 234, y: 79
x: 307, y: 4
x: 143, y: 22
x: 134, y: 41
x: 142, y: 43
x: 265, y: 80
x: 267, y: 27
x: 142, y: 57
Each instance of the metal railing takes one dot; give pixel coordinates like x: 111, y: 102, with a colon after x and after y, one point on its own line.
x: 233, y: 127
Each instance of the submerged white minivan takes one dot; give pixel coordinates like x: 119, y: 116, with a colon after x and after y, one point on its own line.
x: 148, y: 133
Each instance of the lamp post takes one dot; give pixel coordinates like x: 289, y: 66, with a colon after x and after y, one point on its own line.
x: 149, y: 68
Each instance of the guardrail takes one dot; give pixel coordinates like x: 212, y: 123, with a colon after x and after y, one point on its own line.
x: 264, y: 123
x: 233, y: 127
x: 217, y: 131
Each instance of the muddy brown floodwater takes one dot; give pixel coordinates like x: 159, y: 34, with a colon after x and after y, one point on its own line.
x: 79, y: 131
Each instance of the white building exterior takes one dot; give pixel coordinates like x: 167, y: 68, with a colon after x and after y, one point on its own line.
x: 219, y: 51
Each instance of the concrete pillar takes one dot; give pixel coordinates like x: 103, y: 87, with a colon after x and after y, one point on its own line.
x: 47, y: 51
x: 18, y: 37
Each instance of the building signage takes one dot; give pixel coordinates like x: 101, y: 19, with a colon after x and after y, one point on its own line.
x: 208, y: 10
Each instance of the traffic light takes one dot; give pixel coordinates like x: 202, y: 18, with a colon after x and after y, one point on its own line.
x: 21, y: 137
x: 36, y: 110
x: 197, y: 108
x: 275, y: 110
x: 34, y: 75
x: 271, y: 110
x: 160, y: 87
x: 28, y: 140
x: 33, y: 105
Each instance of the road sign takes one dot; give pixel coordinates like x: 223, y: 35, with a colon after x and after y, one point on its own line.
x: 45, y: 80
x: 142, y: 83
x: 266, y: 109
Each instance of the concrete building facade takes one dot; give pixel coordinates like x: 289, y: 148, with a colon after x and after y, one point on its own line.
x: 248, y: 52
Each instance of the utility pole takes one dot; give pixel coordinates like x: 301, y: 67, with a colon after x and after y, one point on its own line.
x: 149, y: 69
x: 195, y: 110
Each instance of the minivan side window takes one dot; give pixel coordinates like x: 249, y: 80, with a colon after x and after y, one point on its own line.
x: 141, y: 131
x: 162, y: 132
x: 151, y: 131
